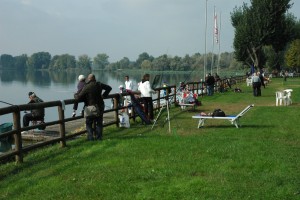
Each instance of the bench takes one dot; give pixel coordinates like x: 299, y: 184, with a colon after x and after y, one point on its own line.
x: 234, y: 119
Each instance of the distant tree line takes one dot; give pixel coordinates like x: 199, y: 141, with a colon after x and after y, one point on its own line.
x: 44, y: 60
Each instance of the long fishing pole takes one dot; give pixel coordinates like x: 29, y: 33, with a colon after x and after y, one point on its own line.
x: 7, y: 103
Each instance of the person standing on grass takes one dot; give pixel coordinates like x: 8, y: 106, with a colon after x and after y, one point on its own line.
x: 93, y: 96
x: 210, y: 82
x: 262, y: 81
x: 146, y: 94
x: 256, y: 84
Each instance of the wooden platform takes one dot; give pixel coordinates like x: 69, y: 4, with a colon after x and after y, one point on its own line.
x: 39, y: 135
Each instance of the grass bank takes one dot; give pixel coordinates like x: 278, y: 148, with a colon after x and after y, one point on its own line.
x: 260, y: 160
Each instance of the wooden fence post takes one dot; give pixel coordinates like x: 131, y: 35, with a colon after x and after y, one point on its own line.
x: 116, y: 104
x: 18, y: 136
x: 62, y: 128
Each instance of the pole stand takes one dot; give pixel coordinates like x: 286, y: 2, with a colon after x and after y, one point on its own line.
x: 168, y: 115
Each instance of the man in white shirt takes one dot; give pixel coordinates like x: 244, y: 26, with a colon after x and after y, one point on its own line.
x: 128, y: 83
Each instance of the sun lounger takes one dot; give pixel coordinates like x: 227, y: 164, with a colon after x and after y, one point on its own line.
x: 234, y: 119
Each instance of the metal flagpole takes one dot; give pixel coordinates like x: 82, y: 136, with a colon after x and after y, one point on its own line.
x: 205, y: 40
x: 214, y: 39
x: 219, y: 36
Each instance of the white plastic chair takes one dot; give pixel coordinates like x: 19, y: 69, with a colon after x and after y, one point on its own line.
x: 249, y: 81
x: 281, y: 98
x: 288, y: 93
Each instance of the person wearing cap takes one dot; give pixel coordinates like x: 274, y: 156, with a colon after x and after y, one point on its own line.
x: 80, y: 85
x: 93, y: 93
x: 35, y: 114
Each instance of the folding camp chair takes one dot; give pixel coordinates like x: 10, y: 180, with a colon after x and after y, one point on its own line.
x: 187, y: 100
x: 234, y: 119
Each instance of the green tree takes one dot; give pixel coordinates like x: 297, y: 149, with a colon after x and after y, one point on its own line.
x: 175, y: 63
x: 113, y: 66
x: 84, y: 62
x: 143, y: 56
x: 101, y: 61
x: 292, y: 56
x: 259, y: 25
x: 186, y: 63
x: 7, y: 61
x: 146, y: 64
x: 161, y: 63
x: 62, y: 62
x: 21, y: 62
x: 40, y: 60
x: 124, y: 63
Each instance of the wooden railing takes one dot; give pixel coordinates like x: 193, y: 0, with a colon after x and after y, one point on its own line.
x: 221, y: 85
x: 16, y: 110
x: 19, y: 150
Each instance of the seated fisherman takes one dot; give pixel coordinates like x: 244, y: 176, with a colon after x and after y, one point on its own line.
x: 36, y: 114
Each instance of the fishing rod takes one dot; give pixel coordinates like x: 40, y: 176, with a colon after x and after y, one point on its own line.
x: 7, y: 103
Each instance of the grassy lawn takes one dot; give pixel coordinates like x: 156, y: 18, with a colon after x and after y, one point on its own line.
x: 260, y: 160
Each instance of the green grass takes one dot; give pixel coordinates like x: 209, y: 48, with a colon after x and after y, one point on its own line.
x: 260, y: 160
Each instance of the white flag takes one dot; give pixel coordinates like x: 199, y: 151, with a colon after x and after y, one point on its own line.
x: 216, y: 31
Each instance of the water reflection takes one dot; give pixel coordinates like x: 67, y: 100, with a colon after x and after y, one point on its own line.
x: 45, y: 78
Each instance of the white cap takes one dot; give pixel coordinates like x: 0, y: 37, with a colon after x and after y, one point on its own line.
x: 121, y: 86
x: 81, y: 77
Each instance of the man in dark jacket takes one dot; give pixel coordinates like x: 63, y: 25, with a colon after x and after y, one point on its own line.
x: 92, y: 95
x: 35, y: 114
x: 210, y: 82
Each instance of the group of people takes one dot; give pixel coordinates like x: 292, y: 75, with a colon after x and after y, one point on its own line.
x: 145, y: 96
x: 92, y: 93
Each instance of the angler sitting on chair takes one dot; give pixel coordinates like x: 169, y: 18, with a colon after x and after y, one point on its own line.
x: 35, y: 114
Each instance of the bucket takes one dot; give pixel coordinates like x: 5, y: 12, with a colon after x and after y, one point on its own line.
x: 5, y: 127
x: 6, y: 142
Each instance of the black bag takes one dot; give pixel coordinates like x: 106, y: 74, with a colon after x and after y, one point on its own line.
x: 218, y: 113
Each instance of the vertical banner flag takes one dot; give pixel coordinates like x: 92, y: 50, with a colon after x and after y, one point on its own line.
x: 216, y: 31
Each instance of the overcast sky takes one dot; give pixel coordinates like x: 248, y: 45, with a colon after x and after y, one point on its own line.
x: 119, y: 28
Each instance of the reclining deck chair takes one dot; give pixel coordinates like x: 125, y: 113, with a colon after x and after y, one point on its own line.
x: 234, y: 119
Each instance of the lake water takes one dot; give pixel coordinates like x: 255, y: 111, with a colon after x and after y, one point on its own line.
x: 52, y: 86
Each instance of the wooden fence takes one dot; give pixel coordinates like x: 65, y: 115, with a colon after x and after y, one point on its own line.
x: 15, y: 110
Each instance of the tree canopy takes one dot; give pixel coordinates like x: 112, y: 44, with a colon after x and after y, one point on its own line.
x: 261, y: 24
